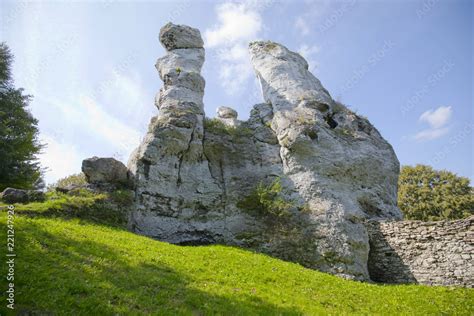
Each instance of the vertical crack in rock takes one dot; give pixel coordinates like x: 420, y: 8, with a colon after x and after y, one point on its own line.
x: 224, y: 190
x: 181, y: 158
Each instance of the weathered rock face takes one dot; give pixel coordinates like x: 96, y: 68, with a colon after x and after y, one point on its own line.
x: 173, y: 37
x: 176, y: 193
x: 295, y: 181
x: 337, y: 161
x: 105, y: 171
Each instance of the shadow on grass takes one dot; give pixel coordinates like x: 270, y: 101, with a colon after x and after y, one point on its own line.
x: 101, y: 211
x: 58, y: 275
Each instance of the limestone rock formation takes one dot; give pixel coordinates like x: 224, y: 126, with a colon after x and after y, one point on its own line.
x: 337, y: 161
x: 296, y: 180
x: 173, y: 37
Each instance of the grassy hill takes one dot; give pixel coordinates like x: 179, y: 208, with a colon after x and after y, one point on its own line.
x: 89, y: 266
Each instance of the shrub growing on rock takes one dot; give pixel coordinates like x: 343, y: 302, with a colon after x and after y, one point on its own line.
x: 267, y: 200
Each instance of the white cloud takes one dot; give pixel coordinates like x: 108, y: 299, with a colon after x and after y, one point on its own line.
x: 111, y: 129
x: 60, y: 159
x: 431, y: 133
x: 437, y: 118
x: 308, y: 53
x: 124, y: 97
x: 314, y: 14
x: 238, y: 24
x: 77, y: 118
x: 88, y: 117
x: 112, y: 123
x: 302, y: 25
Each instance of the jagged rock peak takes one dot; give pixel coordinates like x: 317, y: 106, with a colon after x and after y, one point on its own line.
x: 174, y: 36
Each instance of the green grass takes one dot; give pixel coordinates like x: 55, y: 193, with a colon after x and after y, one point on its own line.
x: 103, y: 208
x: 77, y: 267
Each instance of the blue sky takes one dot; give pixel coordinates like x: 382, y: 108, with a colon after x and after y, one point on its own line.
x: 406, y: 65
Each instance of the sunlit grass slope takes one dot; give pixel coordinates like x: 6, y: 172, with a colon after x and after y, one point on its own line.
x: 75, y: 267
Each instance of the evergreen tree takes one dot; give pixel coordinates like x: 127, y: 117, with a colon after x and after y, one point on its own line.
x: 19, y: 144
x: 428, y: 194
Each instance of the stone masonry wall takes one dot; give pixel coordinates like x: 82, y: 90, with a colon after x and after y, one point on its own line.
x: 434, y: 253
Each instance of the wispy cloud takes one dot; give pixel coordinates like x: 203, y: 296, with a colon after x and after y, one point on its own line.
x: 302, y: 26
x: 320, y: 16
x: 309, y: 52
x: 238, y: 23
x: 59, y: 158
x: 437, y: 119
x: 431, y: 133
x: 115, y: 116
x: 315, y: 19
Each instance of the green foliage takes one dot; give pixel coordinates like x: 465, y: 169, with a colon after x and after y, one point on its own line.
x: 122, y: 197
x: 428, y: 194
x: 77, y: 268
x: 19, y: 144
x: 216, y: 126
x: 103, y: 208
x: 338, y: 107
x: 269, y: 46
x: 6, y: 59
x: 178, y: 70
x: 267, y: 200
x: 345, y: 132
x: 78, y: 179
x: 305, y: 120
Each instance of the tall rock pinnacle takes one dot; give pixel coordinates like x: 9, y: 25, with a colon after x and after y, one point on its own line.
x: 169, y: 166
x: 340, y: 164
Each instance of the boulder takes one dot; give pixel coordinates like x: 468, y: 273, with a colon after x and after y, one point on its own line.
x: 11, y: 195
x: 226, y: 112
x: 103, y: 171
x: 227, y: 116
x: 174, y: 36
x: 70, y: 188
